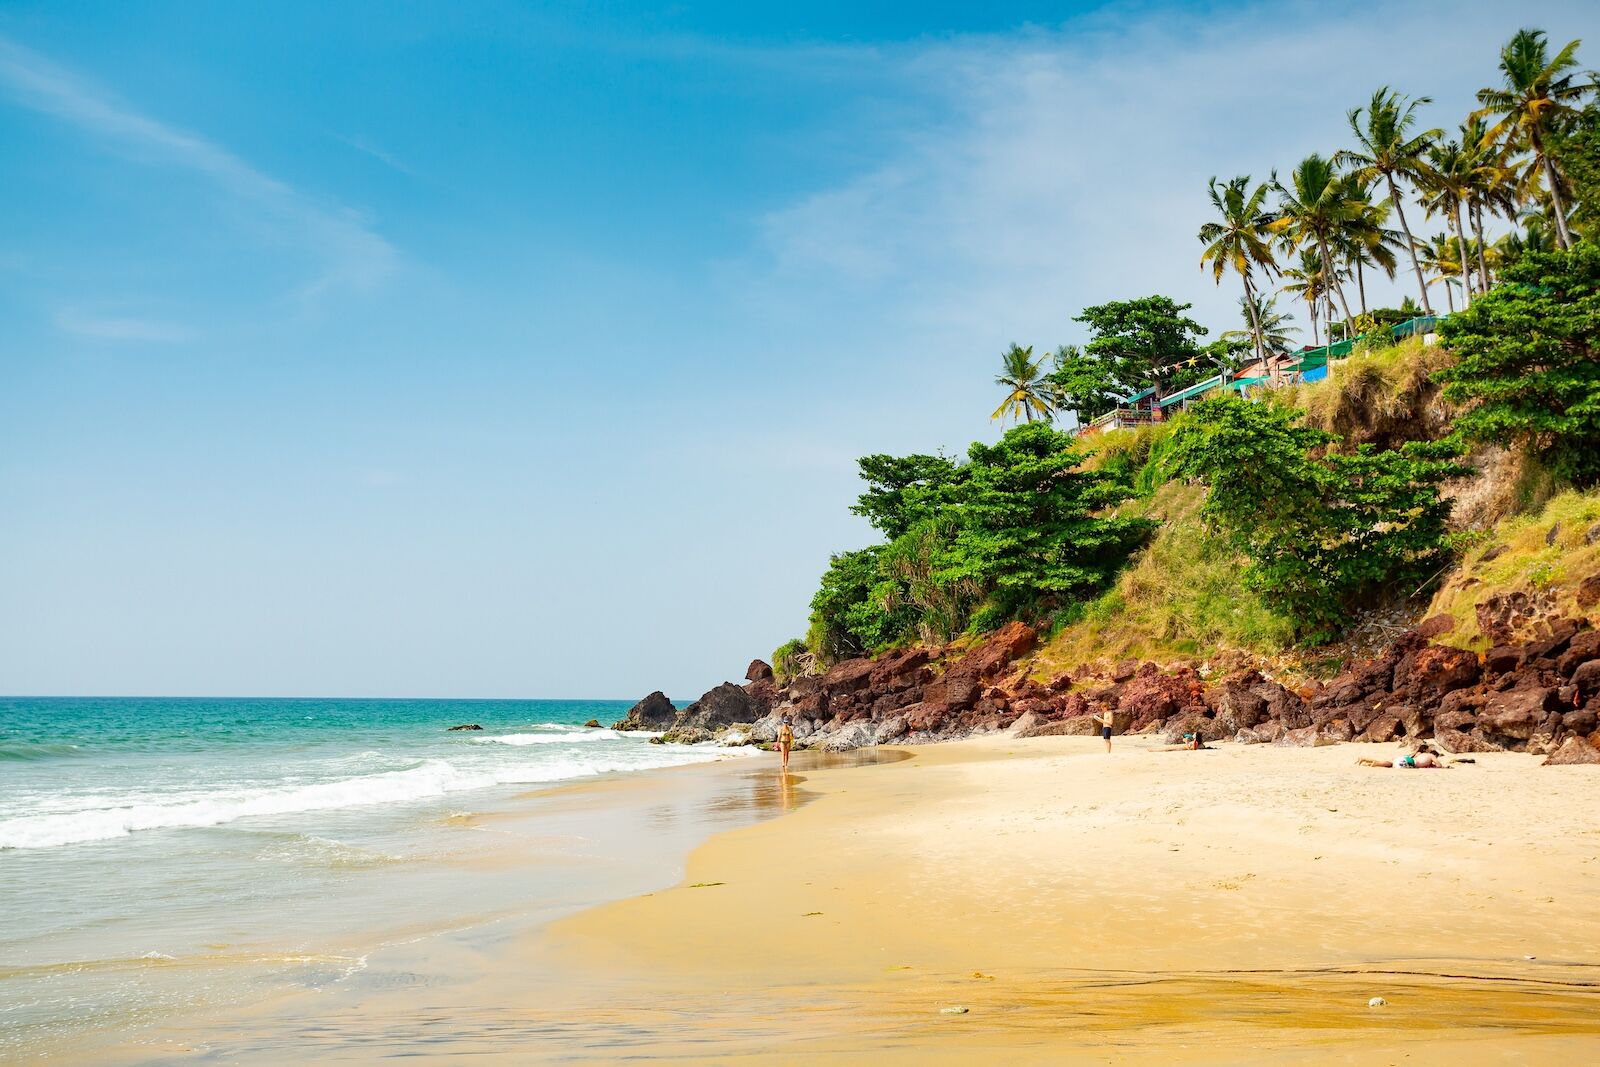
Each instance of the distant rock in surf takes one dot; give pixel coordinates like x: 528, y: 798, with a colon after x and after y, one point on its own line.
x: 466, y: 726
x: 655, y: 712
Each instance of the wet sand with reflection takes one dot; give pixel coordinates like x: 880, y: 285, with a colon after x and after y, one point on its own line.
x: 1235, y: 906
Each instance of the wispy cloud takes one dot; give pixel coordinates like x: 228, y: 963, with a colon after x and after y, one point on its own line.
x: 120, y: 328
x: 1057, y: 168
x: 367, y: 148
x: 349, y: 253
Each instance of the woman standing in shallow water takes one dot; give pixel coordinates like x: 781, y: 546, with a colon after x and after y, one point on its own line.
x: 785, y: 739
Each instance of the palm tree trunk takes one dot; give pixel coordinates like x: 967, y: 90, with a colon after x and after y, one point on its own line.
x: 1333, y: 275
x: 1255, y: 320
x: 1361, y: 286
x: 1316, y: 336
x: 1449, y: 295
x: 1411, y: 243
x: 1562, y: 236
x: 1476, y: 210
x: 1461, y: 244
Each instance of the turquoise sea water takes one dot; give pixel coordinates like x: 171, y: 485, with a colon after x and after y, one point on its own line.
x: 154, y: 849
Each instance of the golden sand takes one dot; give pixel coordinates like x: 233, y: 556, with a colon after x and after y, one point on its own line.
x: 1226, y: 906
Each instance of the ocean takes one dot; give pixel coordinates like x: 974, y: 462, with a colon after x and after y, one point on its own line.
x: 163, y: 855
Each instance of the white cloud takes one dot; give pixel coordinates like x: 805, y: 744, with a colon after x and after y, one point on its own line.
x: 349, y: 253
x: 120, y: 328
x: 1067, y: 167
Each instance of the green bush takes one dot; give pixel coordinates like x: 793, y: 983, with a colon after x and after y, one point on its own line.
x: 1528, y: 361
x: 1323, y: 531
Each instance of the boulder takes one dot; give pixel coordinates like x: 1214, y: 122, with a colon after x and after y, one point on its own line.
x: 1574, y: 751
x: 889, y: 729
x: 1078, y: 726
x: 465, y: 726
x: 1459, y: 743
x: 1436, y: 626
x: 655, y: 712
x: 1514, y: 714
x: 1151, y: 696
x: 1581, y: 649
x: 592, y: 724
x: 1236, y: 706
x: 1586, y: 677
x: 856, y: 735
x: 1381, y: 729
x: 758, y: 671
x: 1433, y: 670
x: 686, y: 734
x: 1588, y: 591
x: 1305, y: 737
x: 1502, y: 659
x: 1581, y: 721
x: 719, y: 707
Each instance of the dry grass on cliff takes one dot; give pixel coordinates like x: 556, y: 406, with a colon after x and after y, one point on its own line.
x: 1545, y: 554
x: 1383, y: 396
x: 1180, y: 597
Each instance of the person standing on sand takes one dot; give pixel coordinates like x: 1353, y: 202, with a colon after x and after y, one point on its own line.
x: 1105, y: 730
x: 785, y: 739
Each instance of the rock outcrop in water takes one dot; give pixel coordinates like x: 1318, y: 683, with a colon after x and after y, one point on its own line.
x: 655, y: 712
x: 1541, y: 695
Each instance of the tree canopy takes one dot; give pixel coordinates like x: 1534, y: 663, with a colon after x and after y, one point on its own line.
x: 1528, y: 361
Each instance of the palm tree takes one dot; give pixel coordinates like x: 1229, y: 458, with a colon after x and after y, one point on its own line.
x: 1388, y: 149
x: 1441, y: 257
x: 1310, y: 283
x: 1263, y: 320
x: 1491, y: 183
x: 1314, y: 211
x: 1365, y: 240
x: 1537, y: 91
x: 1241, y: 240
x: 1028, y: 391
x: 1446, y: 184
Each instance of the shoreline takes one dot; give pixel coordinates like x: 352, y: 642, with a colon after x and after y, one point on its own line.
x: 1235, y: 905
x: 570, y: 846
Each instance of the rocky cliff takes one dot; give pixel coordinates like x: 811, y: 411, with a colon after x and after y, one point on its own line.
x: 1540, y: 694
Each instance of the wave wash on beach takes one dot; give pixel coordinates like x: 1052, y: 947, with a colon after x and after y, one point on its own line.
x: 160, y: 852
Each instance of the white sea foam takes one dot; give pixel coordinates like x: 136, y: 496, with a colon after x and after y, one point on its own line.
x: 571, y: 738
x: 430, y: 778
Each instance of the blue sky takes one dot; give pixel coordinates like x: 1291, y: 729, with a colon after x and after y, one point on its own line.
x: 525, y: 349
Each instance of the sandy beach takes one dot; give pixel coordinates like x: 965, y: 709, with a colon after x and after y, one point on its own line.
x: 1237, y: 905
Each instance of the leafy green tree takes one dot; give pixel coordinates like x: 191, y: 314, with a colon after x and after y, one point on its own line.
x: 1083, y: 385
x: 843, y: 621
x: 1018, y: 529
x: 1138, y: 340
x: 1241, y: 238
x: 1577, y: 153
x: 1323, y: 532
x: 1027, y: 393
x: 1537, y: 91
x: 1030, y: 529
x: 1388, y: 149
x: 897, y: 496
x: 1528, y: 361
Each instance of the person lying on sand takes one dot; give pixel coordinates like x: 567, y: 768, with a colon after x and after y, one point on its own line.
x: 1423, y: 758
